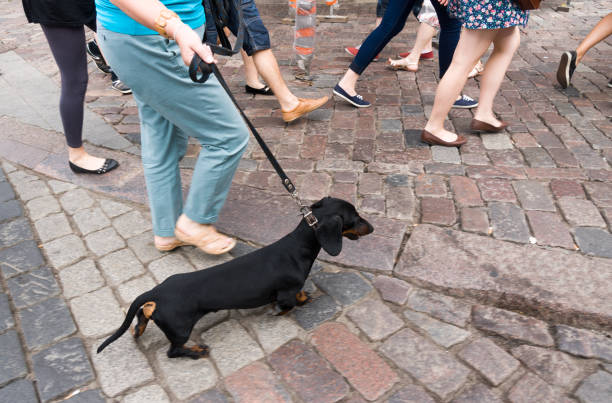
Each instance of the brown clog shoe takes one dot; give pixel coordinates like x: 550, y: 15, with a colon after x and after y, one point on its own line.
x: 304, y: 106
x: 481, y: 126
x: 170, y: 246
x: 209, y: 241
x: 429, y: 138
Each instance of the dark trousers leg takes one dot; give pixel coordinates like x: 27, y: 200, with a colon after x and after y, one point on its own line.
x: 68, y: 47
x: 450, y: 30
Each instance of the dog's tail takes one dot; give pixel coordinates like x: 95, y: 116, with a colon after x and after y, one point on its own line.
x: 138, y: 302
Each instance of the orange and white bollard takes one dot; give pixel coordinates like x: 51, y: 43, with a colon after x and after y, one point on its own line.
x: 304, y: 36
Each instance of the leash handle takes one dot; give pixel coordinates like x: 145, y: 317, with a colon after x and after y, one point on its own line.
x: 197, y: 66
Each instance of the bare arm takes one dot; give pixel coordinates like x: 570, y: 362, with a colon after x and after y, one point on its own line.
x: 146, y: 12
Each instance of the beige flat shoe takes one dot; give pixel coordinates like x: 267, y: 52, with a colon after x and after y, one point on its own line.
x: 209, y: 241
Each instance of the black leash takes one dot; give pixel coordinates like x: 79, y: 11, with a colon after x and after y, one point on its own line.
x: 199, y: 71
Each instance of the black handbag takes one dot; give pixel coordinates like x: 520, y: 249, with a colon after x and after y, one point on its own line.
x: 221, y: 11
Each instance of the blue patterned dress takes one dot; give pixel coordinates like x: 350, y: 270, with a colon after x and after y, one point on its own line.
x: 488, y: 14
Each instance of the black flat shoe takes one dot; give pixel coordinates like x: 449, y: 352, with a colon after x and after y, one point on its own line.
x: 258, y: 91
x: 109, y: 165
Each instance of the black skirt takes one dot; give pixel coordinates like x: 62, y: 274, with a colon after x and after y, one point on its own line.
x: 66, y: 13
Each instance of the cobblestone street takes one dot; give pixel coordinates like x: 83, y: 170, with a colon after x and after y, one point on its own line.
x: 487, y: 278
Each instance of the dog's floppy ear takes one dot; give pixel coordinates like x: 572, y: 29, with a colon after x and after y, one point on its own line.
x: 329, y: 235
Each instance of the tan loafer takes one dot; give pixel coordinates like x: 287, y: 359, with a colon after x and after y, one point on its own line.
x: 429, y: 138
x: 304, y: 106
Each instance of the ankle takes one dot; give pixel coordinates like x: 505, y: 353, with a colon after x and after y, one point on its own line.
x: 289, y: 103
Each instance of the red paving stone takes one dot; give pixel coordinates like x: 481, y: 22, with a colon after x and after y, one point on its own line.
x: 256, y: 383
x: 359, y: 364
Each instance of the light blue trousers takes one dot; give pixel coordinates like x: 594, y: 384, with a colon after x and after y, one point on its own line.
x: 171, y: 108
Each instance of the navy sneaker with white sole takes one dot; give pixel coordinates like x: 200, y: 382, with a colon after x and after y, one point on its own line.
x: 465, y: 102
x: 355, y: 100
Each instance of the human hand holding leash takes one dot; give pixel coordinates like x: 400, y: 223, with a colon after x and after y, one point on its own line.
x: 191, y: 44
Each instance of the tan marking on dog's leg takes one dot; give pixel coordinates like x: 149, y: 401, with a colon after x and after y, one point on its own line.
x: 148, y: 308
x: 301, y: 296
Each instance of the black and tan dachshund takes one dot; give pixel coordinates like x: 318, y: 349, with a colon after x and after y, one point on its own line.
x: 275, y: 273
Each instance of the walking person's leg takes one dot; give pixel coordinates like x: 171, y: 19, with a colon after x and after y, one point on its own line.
x: 570, y: 59
x: 411, y: 62
x: 505, y: 44
x: 392, y: 23
x: 66, y: 45
x: 472, y: 45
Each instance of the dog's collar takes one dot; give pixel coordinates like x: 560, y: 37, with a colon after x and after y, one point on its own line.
x: 310, y: 218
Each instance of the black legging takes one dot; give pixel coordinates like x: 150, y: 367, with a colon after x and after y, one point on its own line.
x: 68, y: 47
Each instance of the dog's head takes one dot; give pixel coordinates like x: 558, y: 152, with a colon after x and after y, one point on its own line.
x: 337, y: 218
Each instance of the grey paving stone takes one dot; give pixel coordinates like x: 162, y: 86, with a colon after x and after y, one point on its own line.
x: 241, y: 249
x: 17, y: 176
x: 80, y: 278
x: 449, y: 155
x: 143, y: 247
x: 579, y: 212
x: 10, y: 209
x: 120, y: 266
x: 21, y: 391
x: 597, y: 388
x: 31, y: 190
x: 151, y: 393
x: 129, y: 290
x: 120, y: 366
x: 392, y: 289
x: 398, y: 180
x: 75, y: 200
x: 508, y: 222
x: 346, y: 288
x: 554, y: 367
x: 477, y: 393
x: 104, y: 241
x: 131, y: 224
x: 64, y: 251
x: 88, y: 396
x: 58, y: 187
x: 186, y: 377
x: 530, y: 388
x: 97, y: 313
x: 201, y: 260
x: 448, y: 309
x: 46, y: 322
x: 6, y: 315
x: 390, y: 125
x: 496, y: 141
x: 438, y: 370
x: 208, y: 321
x: 534, y: 195
x: 20, y: 258
x: 29, y: 288
x: 594, y: 241
x: 375, y: 319
x: 42, y: 207
x: 273, y: 331
x: 231, y: 347
x: 317, y: 311
x: 410, y: 394
x: 210, y: 396
x: 52, y: 227
x: 112, y: 208
x: 6, y: 191
x: 441, y: 333
x: 12, y: 357
x: 537, y: 157
x: 61, y: 368
x: 15, y: 231
x: 493, y: 363
x: 168, y: 265
x: 512, y: 325
x: 584, y: 343
x: 90, y: 220
x: 486, y: 268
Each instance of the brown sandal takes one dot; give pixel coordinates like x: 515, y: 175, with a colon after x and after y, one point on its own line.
x: 207, y: 241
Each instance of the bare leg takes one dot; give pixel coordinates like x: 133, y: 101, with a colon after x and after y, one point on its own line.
x: 505, y: 44
x: 268, y: 68
x: 601, y: 31
x: 472, y: 45
x: 250, y: 71
x: 81, y: 158
x: 349, y: 81
x: 423, y: 39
